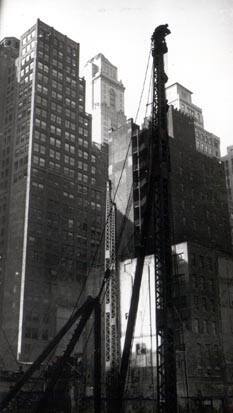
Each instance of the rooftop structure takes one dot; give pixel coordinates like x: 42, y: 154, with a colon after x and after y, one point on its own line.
x: 104, y: 97
x: 181, y: 98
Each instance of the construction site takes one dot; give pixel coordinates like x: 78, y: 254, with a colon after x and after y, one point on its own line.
x: 150, y: 329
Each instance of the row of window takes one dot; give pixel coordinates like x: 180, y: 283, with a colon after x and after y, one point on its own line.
x: 29, y: 37
x: 57, y: 141
x: 58, y: 42
x: 27, y: 79
x: 40, y: 161
x: 57, y: 86
x: 28, y: 68
x: 57, y: 131
x: 54, y: 107
x: 204, y: 136
x: 206, y: 149
x: 202, y: 283
x: 204, y: 326
x: 57, y: 57
x: 83, y: 189
x: 204, y: 304
x: 28, y: 48
x: 67, y: 159
x: 28, y: 58
x: 45, y: 45
x: 201, y: 261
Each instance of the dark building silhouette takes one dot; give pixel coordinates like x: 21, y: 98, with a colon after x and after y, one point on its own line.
x: 9, y: 51
x: 202, y: 259
x: 56, y: 204
x: 198, y: 190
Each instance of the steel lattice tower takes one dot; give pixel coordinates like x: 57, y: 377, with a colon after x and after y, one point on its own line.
x: 166, y: 363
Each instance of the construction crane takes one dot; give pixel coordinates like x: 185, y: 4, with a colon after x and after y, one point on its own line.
x: 166, y: 361
x: 157, y: 211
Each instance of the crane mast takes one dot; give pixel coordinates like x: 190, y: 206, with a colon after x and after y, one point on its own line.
x: 166, y: 363
x: 156, y: 218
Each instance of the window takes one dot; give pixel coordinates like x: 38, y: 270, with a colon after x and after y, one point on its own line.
x: 112, y: 98
x: 195, y: 301
x: 196, y: 325
x: 205, y: 327
x: 202, y: 283
x: 42, y: 162
x: 38, y: 161
x: 199, y: 355
x: 209, y: 263
x: 36, y: 147
x: 204, y: 303
x: 214, y: 328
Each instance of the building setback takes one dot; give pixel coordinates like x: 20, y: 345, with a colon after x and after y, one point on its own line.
x: 57, y: 195
x: 181, y: 98
x: 104, y: 97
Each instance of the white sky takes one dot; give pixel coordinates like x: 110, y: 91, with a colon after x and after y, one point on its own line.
x: 200, y: 51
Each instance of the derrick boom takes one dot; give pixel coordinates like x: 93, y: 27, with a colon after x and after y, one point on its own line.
x: 166, y: 364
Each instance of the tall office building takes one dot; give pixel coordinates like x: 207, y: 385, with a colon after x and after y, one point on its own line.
x: 202, y: 258
x: 57, y: 195
x: 9, y: 51
x: 104, y: 97
x: 228, y: 166
x: 181, y: 98
x: 198, y: 191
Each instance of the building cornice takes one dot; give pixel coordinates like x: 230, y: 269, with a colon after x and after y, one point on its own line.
x: 115, y: 83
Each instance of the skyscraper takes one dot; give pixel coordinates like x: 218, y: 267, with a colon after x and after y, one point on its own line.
x: 104, y: 97
x: 181, y: 98
x: 228, y: 166
x: 9, y: 51
x: 202, y: 261
x: 56, y: 198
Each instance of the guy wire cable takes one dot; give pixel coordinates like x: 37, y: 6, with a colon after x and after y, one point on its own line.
x: 114, y: 197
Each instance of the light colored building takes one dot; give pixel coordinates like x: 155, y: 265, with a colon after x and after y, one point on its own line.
x: 104, y: 97
x: 181, y: 98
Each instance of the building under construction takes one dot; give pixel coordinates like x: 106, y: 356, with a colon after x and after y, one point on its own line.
x: 167, y: 284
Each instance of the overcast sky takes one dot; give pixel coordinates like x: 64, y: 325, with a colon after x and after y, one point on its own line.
x: 200, y: 46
